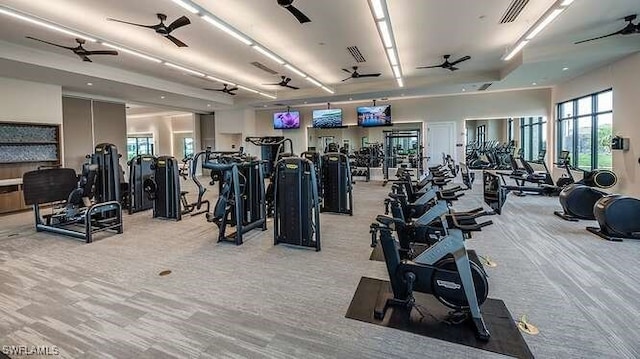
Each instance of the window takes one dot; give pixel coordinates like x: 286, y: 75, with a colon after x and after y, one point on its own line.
x: 585, y: 130
x: 139, y: 145
x: 187, y: 146
x: 481, y: 133
x: 533, y: 136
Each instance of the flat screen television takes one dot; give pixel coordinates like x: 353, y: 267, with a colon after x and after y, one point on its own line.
x: 327, y: 118
x: 286, y: 120
x: 372, y: 116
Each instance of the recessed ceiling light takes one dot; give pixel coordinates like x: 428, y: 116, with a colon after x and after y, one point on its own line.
x: 89, y: 84
x: 565, y: 68
x: 208, y: 105
x: 162, y: 97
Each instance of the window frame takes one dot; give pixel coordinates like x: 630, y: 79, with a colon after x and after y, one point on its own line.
x: 532, y: 124
x: 141, y: 139
x: 575, y: 118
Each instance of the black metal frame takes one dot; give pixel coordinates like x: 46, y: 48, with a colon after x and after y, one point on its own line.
x: 304, y: 171
x: 575, y: 118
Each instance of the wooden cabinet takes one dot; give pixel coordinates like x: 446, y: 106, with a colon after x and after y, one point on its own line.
x: 24, y: 147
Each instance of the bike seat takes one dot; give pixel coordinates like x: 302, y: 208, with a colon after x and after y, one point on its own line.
x: 385, y: 220
x: 453, y: 222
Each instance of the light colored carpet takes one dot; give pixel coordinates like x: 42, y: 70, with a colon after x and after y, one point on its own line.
x: 258, y: 300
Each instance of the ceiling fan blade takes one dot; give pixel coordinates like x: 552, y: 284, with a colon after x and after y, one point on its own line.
x: 453, y: 68
x: 599, y: 37
x: 277, y: 84
x: 85, y: 58
x: 292, y: 87
x: 460, y: 60
x: 302, y: 18
x: 51, y: 43
x: 369, y: 75
x: 176, y: 41
x: 131, y: 23
x: 102, y: 52
x: 180, y: 22
x: 347, y: 71
x: 429, y: 67
x: 348, y: 78
x: 233, y: 89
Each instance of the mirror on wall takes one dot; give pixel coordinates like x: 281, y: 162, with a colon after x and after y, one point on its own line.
x: 356, y: 140
x: 491, y: 142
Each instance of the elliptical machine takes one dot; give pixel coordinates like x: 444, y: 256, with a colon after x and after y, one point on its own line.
x: 577, y: 201
x: 617, y: 216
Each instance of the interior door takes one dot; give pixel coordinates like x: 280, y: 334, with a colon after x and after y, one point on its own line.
x: 440, y: 139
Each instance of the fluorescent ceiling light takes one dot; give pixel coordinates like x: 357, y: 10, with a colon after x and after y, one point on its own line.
x: 184, y: 69
x: 186, y: 6
x: 552, y: 16
x: 45, y: 24
x: 296, y: 71
x: 328, y: 89
x: 268, y: 54
x: 226, y: 29
x: 392, y: 56
x: 246, y: 89
x: 386, y: 34
x: 516, y: 49
x: 396, y: 71
x: 314, y: 82
x: 131, y: 52
x: 400, y: 82
x: 566, y: 3
x: 267, y: 95
x: 220, y: 80
x: 378, y: 11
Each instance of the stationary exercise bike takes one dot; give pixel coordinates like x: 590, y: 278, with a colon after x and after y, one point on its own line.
x: 444, y: 270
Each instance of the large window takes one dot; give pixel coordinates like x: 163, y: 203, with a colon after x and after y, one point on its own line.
x: 585, y: 130
x: 187, y: 146
x: 139, y: 145
x: 481, y: 133
x: 533, y: 136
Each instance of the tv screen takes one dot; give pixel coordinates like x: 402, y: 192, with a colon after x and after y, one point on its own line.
x: 327, y: 118
x: 286, y: 120
x: 374, y: 116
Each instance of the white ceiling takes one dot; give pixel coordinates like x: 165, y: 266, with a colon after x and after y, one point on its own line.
x: 424, y: 30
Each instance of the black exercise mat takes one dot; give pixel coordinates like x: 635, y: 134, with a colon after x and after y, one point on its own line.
x: 505, y: 338
x: 378, y: 255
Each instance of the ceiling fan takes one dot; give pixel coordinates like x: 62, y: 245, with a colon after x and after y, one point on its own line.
x: 163, y: 29
x: 629, y: 29
x: 79, y: 50
x: 446, y: 64
x: 356, y: 75
x: 287, y: 4
x: 285, y: 83
x: 226, y: 90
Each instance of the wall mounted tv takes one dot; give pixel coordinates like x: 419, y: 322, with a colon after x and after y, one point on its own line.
x: 372, y: 116
x: 327, y: 118
x: 286, y: 120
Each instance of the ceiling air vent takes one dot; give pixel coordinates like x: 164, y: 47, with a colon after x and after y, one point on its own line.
x: 513, y: 11
x: 355, y: 52
x: 264, y: 68
x: 485, y: 86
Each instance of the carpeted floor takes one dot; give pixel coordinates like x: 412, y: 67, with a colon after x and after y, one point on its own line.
x: 106, y: 299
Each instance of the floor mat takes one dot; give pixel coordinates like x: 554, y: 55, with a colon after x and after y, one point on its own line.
x: 505, y: 337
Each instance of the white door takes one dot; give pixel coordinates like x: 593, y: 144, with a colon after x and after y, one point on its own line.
x: 440, y: 139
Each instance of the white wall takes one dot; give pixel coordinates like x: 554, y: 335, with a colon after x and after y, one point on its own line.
x: 24, y: 101
x: 624, y: 77
x: 536, y: 102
